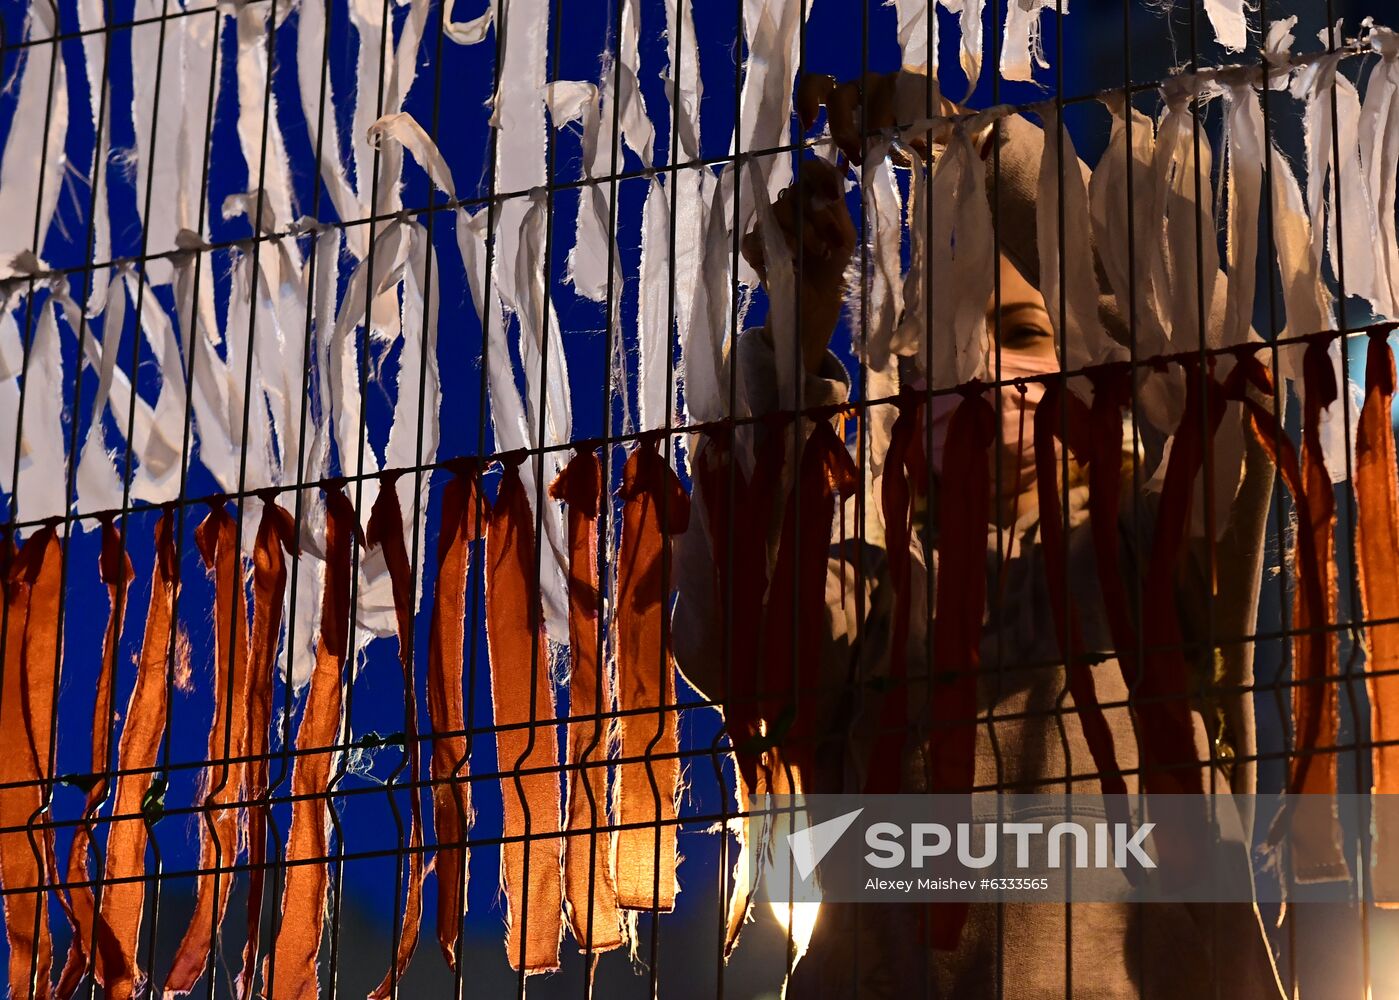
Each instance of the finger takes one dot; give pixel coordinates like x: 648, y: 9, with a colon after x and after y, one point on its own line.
x: 812, y: 92
x: 842, y: 110
x: 822, y: 180
x: 752, y: 250
x: 881, y: 109
x: 792, y: 222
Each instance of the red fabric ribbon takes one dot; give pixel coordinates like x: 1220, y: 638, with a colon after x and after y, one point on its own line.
x: 963, y: 510
x: 123, y: 894
x: 655, y: 507
x: 385, y: 531
x: 115, y: 568
x: 739, y: 549
x: 33, y: 590
x: 1169, y: 761
x: 1112, y: 392
x: 1377, y: 563
x: 905, y: 471
x: 797, y: 599
x: 217, y: 538
x: 291, y: 970
x: 590, y: 891
x: 526, y: 743
x: 1061, y: 409
x: 451, y: 791
x: 276, y: 534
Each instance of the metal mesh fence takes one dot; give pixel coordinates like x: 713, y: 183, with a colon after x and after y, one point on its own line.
x: 229, y: 292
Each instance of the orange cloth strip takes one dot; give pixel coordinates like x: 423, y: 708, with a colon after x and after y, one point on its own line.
x: 115, y: 569
x: 143, y: 728
x: 276, y: 534
x: 526, y: 741
x: 291, y: 971
x: 590, y: 891
x: 655, y: 506
x: 1316, y: 669
x: 386, y: 533
x: 217, y: 538
x: 1316, y: 852
x: 1377, y: 562
x: 451, y: 791
x: 33, y: 589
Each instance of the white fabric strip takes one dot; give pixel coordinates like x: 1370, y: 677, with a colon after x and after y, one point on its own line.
x: 1379, y: 150
x: 1070, y: 277
x: 883, y: 282
x: 31, y: 169
x: 98, y: 483
x: 1230, y: 26
x: 654, y: 308
x: 961, y: 250
x: 170, y: 138
x: 1244, y: 129
x: 917, y: 21
x: 1022, y: 51
x: 41, y: 488
x: 1184, y: 280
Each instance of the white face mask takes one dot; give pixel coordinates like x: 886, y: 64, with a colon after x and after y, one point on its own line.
x: 1017, y: 418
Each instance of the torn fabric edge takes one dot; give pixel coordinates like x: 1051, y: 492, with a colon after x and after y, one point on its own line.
x: 276, y: 535
x: 98, y: 484
x: 385, y: 532
x: 655, y: 305
x: 1376, y: 541
x: 33, y: 161
x: 705, y: 339
x: 771, y: 34
x: 1180, y: 167
x: 318, y: 104
x: 32, y: 584
x: 522, y: 696
x: 170, y: 138
x: 590, y: 890
x: 143, y: 727
x: 917, y: 28
x: 655, y: 508
x: 1338, y: 187
x: 1379, y: 151
x: 114, y: 566
x: 40, y: 490
x: 1022, y: 48
x: 961, y: 248
x: 463, y: 515
x: 883, y: 284
x: 1230, y: 26
x: 292, y: 967
x: 223, y: 823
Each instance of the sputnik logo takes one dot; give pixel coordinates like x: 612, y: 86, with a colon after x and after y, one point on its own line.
x: 809, y: 846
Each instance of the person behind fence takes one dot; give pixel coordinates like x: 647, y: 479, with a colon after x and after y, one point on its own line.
x: 1028, y: 731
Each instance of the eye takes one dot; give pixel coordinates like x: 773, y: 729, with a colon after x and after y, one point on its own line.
x: 1024, y: 335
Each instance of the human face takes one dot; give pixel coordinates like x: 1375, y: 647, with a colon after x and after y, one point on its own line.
x: 1021, y: 326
